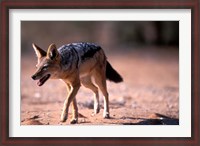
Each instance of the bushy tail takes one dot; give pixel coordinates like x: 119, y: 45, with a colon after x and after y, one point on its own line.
x: 112, y: 74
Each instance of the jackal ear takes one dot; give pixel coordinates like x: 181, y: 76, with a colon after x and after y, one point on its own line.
x: 52, y: 52
x: 39, y: 52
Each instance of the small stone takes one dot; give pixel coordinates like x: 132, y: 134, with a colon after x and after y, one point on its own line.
x: 34, y: 117
x: 121, y: 101
x: 134, y: 105
x: 37, y: 95
x: 83, y: 120
x: 170, y: 106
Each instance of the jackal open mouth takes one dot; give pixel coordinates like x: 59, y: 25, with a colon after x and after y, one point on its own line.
x: 43, y: 80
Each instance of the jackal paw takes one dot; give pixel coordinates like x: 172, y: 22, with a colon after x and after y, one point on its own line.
x: 74, y: 121
x: 63, y: 118
x: 106, y: 115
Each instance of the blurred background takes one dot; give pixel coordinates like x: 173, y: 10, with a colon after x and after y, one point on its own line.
x: 108, y: 34
x: 145, y: 53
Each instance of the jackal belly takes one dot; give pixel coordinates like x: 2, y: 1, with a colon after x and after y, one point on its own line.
x: 86, y: 67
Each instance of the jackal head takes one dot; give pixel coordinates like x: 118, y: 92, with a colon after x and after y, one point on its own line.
x: 48, y: 64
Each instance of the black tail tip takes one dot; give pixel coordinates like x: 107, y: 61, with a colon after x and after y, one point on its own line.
x: 112, y: 74
x: 119, y: 79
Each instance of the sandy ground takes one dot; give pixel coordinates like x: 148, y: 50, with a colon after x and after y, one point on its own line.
x: 148, y: 95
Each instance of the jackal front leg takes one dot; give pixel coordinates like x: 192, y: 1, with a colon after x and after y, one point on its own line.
x: 74, y: 119
x: 71, y: 97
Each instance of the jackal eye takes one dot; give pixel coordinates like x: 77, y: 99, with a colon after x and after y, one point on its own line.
x: 45, y: 67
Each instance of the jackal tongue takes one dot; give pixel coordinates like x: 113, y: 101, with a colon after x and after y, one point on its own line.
x: 43, y: 80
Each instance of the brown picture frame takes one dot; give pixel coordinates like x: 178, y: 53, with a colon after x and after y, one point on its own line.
x: 6, y: 5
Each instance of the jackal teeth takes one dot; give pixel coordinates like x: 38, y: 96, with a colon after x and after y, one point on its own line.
x: 43, y: 80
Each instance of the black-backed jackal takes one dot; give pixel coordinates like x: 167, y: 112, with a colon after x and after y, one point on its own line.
x: 76, y: 64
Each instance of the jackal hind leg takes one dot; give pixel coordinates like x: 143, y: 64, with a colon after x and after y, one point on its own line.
x: 100, y: 80
x: 72, y: 91
x: 86, y: 81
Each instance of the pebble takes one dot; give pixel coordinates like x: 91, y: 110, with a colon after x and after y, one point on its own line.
x: 83, y: 120
x: 170, y: 106
x: 37, y: 95
x: 121, y: 101
x: 34, y: 117
x: 134, y: 105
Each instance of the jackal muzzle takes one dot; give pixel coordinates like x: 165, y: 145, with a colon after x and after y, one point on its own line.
x: 41, y: 80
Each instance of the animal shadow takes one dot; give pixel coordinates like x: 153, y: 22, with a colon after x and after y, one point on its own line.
x: 157, y: 119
